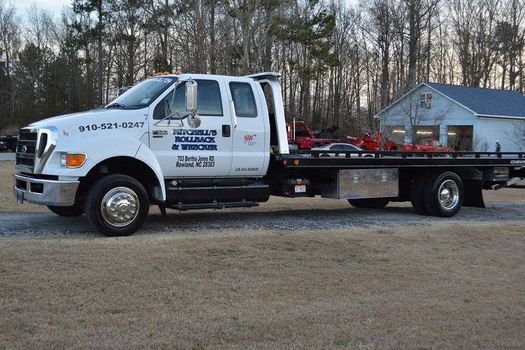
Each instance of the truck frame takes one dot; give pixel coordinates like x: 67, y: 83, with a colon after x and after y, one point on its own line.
x: 195, y: 141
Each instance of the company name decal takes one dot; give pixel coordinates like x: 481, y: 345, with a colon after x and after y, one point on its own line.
x: 194, y: 140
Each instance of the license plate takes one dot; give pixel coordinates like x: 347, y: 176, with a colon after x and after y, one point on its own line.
x: 300, y: 188
x: 20, y: 196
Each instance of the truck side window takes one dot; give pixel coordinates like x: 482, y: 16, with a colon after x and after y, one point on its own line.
x: 243, y: 99
x: 208, y: 96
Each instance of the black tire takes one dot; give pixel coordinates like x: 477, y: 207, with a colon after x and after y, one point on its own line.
x: 68, y: 212
x: 116, y: 186
x: 433, y: 200
x: 416, y: 195
x: 370, y: 203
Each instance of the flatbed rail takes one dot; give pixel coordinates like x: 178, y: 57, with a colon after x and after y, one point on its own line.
x: 372, y: 159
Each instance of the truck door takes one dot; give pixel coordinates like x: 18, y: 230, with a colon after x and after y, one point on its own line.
x: 251, y: 128
x: 183, y: 151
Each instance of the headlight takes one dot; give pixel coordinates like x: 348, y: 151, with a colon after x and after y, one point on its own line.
x: 72, y: 160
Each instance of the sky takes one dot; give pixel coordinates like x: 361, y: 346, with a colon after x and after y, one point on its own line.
x: 53, y: 6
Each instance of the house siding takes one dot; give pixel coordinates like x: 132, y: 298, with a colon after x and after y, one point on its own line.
x: 490, y: 130
x: 486, y: 131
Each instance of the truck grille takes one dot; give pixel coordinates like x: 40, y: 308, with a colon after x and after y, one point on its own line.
x: 26, y: 148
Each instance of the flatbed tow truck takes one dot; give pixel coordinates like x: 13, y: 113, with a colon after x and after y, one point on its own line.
x: 194, y: 141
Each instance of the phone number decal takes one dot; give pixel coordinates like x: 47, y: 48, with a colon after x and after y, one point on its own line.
x: 110, y: 126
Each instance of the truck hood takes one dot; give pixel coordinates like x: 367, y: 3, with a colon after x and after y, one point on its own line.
x: 96, y: 115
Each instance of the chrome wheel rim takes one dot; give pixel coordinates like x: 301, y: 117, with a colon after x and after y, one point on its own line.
x: 448, y: 195
x: 120, y: 206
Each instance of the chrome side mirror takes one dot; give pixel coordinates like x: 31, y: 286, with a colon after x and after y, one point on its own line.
x: 194, y: 121
x: 191, y: 96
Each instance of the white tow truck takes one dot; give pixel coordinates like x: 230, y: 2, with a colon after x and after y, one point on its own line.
x: 195, y: 141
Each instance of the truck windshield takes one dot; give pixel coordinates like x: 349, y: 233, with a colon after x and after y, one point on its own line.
x: 141, y: 95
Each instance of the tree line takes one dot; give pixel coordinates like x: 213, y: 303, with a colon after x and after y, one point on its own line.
x: 341, y: 61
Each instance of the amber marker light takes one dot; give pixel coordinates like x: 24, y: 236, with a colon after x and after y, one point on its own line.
x: 296, y: 162
x: 73, y: 160
x: 285, y: 162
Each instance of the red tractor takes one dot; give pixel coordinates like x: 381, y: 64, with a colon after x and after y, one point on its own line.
x: 373, y: 141
x: 425, y: 145
x: 304, y: 137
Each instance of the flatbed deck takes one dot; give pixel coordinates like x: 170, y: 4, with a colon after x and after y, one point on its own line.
x: 398, y: 159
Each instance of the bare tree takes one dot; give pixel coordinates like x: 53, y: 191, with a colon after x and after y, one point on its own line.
x: 474, y: 25
x: 9, y: 42
x: 419, y: 19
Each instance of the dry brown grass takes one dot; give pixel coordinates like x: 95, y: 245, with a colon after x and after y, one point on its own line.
x: 449, y: 284
x: 446, y: 285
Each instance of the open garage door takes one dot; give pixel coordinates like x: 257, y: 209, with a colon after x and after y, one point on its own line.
x: 460, y: 137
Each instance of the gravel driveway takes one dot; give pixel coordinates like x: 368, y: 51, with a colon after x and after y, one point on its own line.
x: 210, y: 222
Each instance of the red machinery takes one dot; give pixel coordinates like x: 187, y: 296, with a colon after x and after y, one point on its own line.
x: 426, y: 145
x: 373, y: 141
x: 304, y: 137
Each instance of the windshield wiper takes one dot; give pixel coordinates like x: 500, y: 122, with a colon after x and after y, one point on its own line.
x: 116, y: 105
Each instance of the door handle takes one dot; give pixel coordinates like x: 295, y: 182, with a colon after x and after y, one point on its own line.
x: 226, y: 130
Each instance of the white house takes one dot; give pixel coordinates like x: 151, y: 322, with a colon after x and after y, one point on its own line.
x: 464, y: 118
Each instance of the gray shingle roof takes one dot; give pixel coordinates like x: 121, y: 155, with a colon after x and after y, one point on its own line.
x: 483, y: 101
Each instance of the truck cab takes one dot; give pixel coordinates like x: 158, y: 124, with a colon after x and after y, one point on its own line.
x: 180, y: 141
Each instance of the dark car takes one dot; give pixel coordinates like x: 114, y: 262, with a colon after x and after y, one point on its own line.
x: 8, y: 143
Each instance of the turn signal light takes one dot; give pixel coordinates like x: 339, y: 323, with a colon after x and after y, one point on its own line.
x: 296, y: 162
x: 73, y: 160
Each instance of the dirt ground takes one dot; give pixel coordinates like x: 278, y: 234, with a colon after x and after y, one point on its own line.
x: 238, y: 279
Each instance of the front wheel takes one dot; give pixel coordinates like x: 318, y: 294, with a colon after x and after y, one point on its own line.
x: 68, y: 212
x: 370, y: 203
x: 117, y: 205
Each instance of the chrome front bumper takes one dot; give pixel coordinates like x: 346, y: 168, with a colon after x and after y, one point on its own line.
x: 47, y: 192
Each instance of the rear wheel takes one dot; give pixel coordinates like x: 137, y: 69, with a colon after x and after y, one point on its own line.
x: 66, y: 211
x: 443, y: 194
x: 416, y: 195
x: 117, y: 205
x: 370, y: 203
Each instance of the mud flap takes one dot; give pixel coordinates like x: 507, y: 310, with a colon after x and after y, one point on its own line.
x: 473, y: 194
